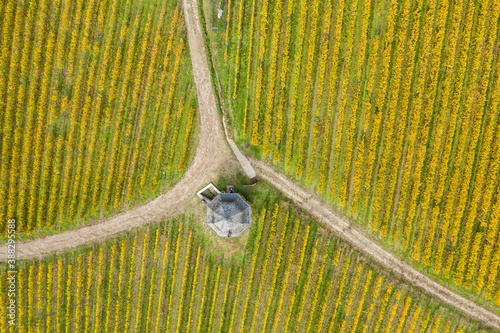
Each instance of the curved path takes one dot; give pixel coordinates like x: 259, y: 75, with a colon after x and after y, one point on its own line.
x: 212, y: 152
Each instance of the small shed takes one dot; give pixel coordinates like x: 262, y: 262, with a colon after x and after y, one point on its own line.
x: 228, y: 214
x: 208, y: 193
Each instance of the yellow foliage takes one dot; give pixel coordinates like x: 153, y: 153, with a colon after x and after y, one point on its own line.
x: 195, y: 278
x: 286, y: 277
x: 237, y: 294
x: 362, y: 300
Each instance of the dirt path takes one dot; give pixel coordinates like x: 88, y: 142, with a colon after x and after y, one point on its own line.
x: 212, y: 152
x: 320, y: 209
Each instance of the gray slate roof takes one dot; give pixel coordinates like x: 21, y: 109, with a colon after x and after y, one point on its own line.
x: 228, y: 214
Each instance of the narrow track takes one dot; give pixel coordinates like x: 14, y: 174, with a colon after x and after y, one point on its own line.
x: 212, y: 152
x: 321, y: 210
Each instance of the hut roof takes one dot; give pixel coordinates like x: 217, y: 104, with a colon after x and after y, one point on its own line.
x: 228, y: 214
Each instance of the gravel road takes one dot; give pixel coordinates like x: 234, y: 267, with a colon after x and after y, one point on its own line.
x: 321, y: 210
x: 211, y: 153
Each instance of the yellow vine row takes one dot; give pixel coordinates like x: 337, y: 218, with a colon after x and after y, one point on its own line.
x: 121, y: 273
x: 272, y: 74
x: 360, y: 57
x: 8, y: 113
x: 183, y: 283
x: 380, y: 102
x: 461, y: 64
x: 391, y: 125
x: 319, y: 283
x: 277, y: 265
x: 414, y: 149
x: 403, y: 315
x: 88, y: 290
x: 151, y: 281
x: 413, y: 322
x: 476, y: 118
x: 18, y: 135
x: 110, y: 287
x: 236, y: 297
x: 130, y: 282
x: 296, y: 81
x: 307, y: 285
x: 252, y: 271
x: 49, y: 296
x: 249, y: 63
x: 286, y: 277
x: 308, y: 86
x: 99, y: 290
x: 383, y: 307
x: 174, y: 274
x: 39, y: 295
x: 237, y: 61
x: 193, y: 289
x: 343, y: 113
x: 59, y: 294
x: 484, y: 156
x: 332, y: 80
x: 327, y: 16
x: 228, y: 20
x: 224, y: 300
x: 140, y: 291
x: 69, y: 282
x: 419, y: 187
x: 297, y: 276
x: 79, y: 287
x: 362, y: 300
x: 285, y: 57
x: 395, y: 169
x: 203, y: 296
x: 350, y: 299
x: 162, y: 279
x: 339, y: 293
x: 434, y: 212
x: 263, y: 272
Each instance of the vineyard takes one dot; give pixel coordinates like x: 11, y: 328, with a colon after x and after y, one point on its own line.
x: 95, y: 114
x: 167, y: 278
x: 388, y: 109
